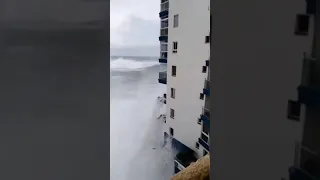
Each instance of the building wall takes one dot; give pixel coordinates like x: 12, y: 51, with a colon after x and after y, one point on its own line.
x: 194, y: 16
x: 256, y: 67
x: 312, y: 123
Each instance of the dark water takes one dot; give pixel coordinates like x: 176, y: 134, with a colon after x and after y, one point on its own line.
x: 54, y: 105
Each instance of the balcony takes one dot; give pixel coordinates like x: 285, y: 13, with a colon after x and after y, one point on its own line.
x: 204, y: 144
x: 164, y: 23
x: 162, y: 77
x: 206, y: 89
x: 205, y: 117
x: 163, y: 57
x: 163, y: 99
x: 163, y: 38
x: 163, y: 118
x: 183, y: 160
x: 207, y: 63
x: 163, y: 53
x: 164, y: 10
x: 309, y: 94
x: 163, y: 35
x: 306, y: 164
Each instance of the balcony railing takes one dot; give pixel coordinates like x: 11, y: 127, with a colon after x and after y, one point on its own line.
x: 183, y: 160
x: 163, y: 47
x: 307, y: 164
x: 163, y: 77
x: 308, y: 93
x: 163, y: 57
x: 178, y: 165
x: 164, y: 6
x: 164, y: 10
x: 164, y: 24
x: 163, y: 38
x: 206, y: 89
x: 204, y: 144
x: 205, y: 117
x: 164, y: 32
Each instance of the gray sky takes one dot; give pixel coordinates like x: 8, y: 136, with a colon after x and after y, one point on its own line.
x: 134, y: 22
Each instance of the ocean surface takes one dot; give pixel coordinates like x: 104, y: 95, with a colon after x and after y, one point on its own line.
x: 137, y: 150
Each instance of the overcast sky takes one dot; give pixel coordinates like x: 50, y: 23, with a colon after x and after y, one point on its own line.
x: 134, y: 22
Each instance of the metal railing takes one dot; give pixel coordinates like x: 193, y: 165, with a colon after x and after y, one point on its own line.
x: 163, y: 55
x: 163, y: 75
x: 164, y: 32
x: 204, y: 144
x: 164, y: 24
x: 163, y: 47
x: 205, y: 138
x: 164, y: 6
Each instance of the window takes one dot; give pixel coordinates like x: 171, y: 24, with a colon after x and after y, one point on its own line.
x: 204, y: 69
x: 302, y: 24
x: 197, y: 145
x: 175, y: 20
x: 175, y: 47
x: 174, y: 70
x: 173, y: 93
x: 207, y: 39
x: 294, y: 109
x: 201, y: 96
x: 205, y: 152
x: 171, y: 132
x: 172, y: 113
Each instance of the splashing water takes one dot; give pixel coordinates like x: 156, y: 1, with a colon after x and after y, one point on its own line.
x: 121, y: 64
x: 137, y: 144
x: 161, y: 165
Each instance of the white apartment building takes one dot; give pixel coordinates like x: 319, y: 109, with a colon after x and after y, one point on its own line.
x: 265, y: 105
x: 185, y: 48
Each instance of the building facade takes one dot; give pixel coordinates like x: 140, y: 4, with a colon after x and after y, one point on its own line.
x: 185, y: 48
x: 265, y: 74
